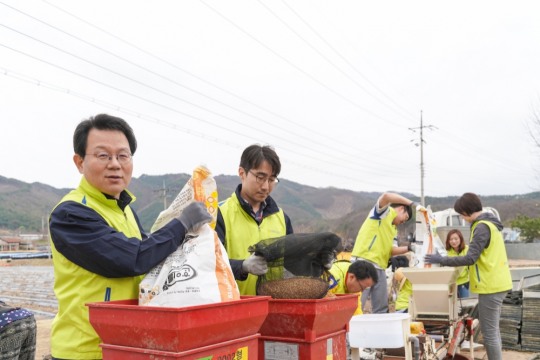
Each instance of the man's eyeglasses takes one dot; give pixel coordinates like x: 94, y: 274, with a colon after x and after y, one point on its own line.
x: 262, y: 178
x: 122, y: 158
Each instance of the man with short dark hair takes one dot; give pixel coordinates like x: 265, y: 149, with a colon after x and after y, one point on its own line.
x: 348, y: 278
x: 250, y: 215
x: 100, y: 250
x: 375, y: 239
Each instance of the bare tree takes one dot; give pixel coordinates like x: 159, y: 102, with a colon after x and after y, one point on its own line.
x: 533, y: 127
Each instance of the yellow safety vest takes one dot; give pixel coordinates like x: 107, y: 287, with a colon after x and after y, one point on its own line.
x: 375, y: 239
x: 463, y: 277
x: 72, y: 335
x: 242, y: 231
x: 339, y: 271
x: 491, y: 272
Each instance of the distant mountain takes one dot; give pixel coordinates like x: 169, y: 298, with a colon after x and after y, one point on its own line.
x: 26, y: 207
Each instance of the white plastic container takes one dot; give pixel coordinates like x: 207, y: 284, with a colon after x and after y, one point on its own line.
x: 385, y: 331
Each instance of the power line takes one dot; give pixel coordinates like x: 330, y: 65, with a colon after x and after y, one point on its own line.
x: 264, y: 122
x: 160, y: 122
x: 339, y: 55
x: 296, y: 67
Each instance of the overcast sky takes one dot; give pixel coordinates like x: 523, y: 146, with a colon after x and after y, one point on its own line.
x: 337, y: 87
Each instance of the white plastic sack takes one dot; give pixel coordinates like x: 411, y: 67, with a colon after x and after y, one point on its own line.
x: 198, y: 272
x: 427, y: 238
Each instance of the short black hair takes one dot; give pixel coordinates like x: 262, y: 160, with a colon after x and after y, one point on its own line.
x: 407, y: 208
x: 468, y: 204
x: 364, y: 270
x: 101, y: 122
x: 255, y: 154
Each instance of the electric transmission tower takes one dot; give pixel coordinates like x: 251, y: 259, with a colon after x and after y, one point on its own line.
x: 421, y: 145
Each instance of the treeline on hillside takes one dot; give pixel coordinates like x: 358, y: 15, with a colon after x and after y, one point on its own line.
x: 25, y: 207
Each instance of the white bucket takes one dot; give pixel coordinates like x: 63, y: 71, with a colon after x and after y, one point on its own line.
x: 379, y: 330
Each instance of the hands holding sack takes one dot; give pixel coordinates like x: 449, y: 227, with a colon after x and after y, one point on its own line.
x: 198, y: 272
x: 194, y: 216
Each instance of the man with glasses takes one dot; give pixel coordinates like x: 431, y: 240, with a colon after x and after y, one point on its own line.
x: 250, y: 215
x: 352, y: 278
x: 99, y: 248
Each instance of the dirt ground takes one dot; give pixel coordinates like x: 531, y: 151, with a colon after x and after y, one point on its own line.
x: 43, y: 338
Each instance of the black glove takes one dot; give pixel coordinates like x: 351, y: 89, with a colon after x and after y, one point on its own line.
x: 194, y: 216
x: 433, y: 259
x: 255, y: 265
x: 327, y: 259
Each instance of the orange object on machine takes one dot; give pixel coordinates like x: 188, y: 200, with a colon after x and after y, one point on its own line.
x: 430, y: 243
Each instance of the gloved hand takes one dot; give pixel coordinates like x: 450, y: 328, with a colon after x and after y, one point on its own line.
x: 433, y: 259
x: 194, y: 216
x: 411, y: 247
x: 255, y: 265
x: 327, y: 260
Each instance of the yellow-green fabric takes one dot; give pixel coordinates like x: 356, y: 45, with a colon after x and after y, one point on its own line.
x: 75, y: 286
x: 402, y: 301
x: 375, y: 238
x: 243, y: 231
x: 339, y: 271
x: 491, y: 272
x: 463, y: 277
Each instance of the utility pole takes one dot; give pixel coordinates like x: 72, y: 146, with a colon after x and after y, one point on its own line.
x: 163, y: 193
x: 421, y: 144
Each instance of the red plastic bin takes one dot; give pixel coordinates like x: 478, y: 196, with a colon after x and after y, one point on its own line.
x: 308, y: 319
x: 234, y: 349
x: 331, y: 346
x: 125, y: 323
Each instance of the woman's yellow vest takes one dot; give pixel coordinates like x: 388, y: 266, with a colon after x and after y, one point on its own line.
x: 491, y: 273
x: 72, y: 335
x: 242, y: 231
x: 463, y: 277
x: 375, y: 239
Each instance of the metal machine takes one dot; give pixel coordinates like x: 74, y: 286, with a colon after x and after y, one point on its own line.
x: 433, y: 305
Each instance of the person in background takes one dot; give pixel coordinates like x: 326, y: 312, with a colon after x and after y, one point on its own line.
x: 250, y: 215
x: 490, y: 276
x: 100, y: 250
x: 404, y: 291
x: 17, y: 333
x: 455, y: 246
x: 374, y: 243
x: 347, y: 278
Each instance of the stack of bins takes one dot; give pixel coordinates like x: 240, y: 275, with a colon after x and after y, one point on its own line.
x: 307, y: 329
x: 227, y: 330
